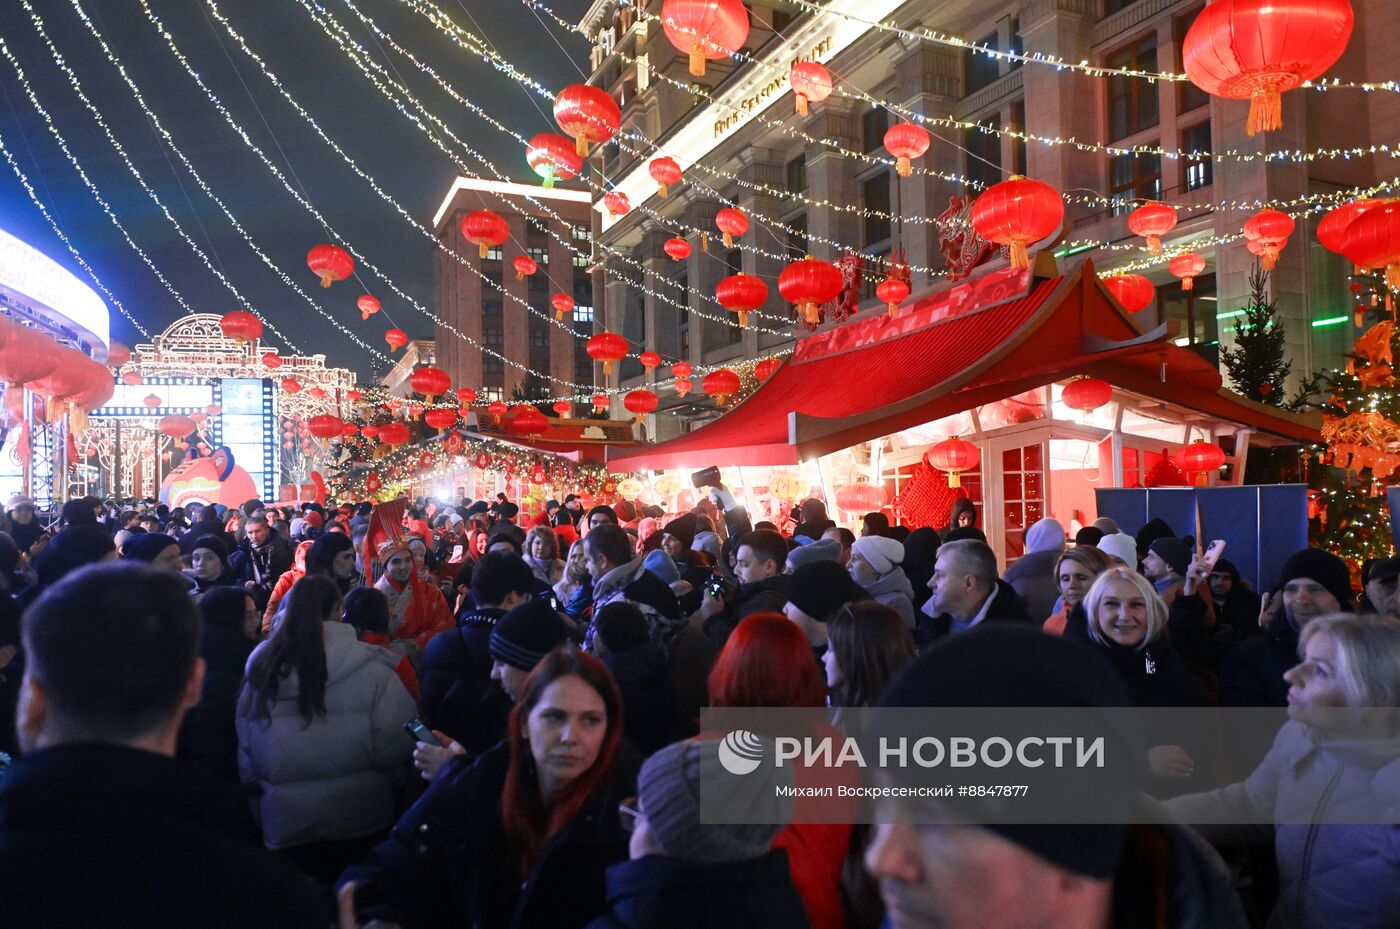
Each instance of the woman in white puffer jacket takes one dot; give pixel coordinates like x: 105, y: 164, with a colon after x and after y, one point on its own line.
x: 320, y: 733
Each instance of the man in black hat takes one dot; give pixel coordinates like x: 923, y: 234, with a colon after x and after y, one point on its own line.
x: 1236, y: 606
x: 1165, y: 565
x: 815, y: 591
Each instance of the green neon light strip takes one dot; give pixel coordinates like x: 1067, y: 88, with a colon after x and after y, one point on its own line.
x: 1330, y: 321
x: 1229, y: 315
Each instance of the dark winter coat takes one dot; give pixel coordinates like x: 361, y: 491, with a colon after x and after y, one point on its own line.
x: 446, y: 862
x: 766, y: 596
x: 657, y: 892
x: 1033, y: 579
x: 455, y: 681
x: 648, y: 696
x: 634, y: 584
x: 208, y: 735
x: 1006, y: 607
x: 243, y: 565
x: 103, y: 835
x: 1252, y: 674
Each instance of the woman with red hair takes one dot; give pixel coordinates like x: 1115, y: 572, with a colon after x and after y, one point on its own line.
x: 767, y: 662
x: 523, y: 835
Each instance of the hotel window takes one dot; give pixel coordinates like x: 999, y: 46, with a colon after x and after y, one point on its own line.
x: 540, y: 253
x: 583, y: 314
x: 1135, y: 176
x: 796, y: 171
x: 493, y: 393
x: 582, y: 241
x: 1205, y: 308
x: 493, y: 337
x: 979, y: 68
x: 983, y: 152
x: 1198, y: 170
x: 734, y: 261
x: 1132, y: 101
x: 491, y: 307
x: 875, y: 198
x: 492, y: 365
x: 493, y: 253
x: 872, y: 128
x: 539, y: 337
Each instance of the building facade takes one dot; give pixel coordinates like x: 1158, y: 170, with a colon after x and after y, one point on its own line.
x: 739, y: 141
x: 483, y: 300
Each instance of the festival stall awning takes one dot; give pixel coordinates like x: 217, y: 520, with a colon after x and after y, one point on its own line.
x: 993, y: 336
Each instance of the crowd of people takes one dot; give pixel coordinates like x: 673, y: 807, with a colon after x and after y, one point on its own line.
x: 425, y: 715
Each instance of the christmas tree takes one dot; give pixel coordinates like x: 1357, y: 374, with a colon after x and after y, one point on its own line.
x: 1256, y: 364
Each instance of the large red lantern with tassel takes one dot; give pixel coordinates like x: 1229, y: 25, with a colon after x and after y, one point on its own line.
x: 640, y: 402
x: 587, y: 113
x: 733, y: 223
x: 616, y: 203
x: 497, y: 408
x: 1332, y: 228
x: 808, y: 284
x: 176, y: 426
x: 906, y: 141
x: 721, y: 384
x: 1017, y: 213
x: 677, y: 248
x: 440, y: 418
x: 241, y: 326
x: 466, y: 396
x: 1133, y: 292
x: 891, y: 292
x: 665, y: 172
x: 765, y: 368
x: 1256, y: 49
x: 131, y: 378
x: 430, y: 381
x: 705, y: 29
x: 600, y: 402
x: 1200, y: 458
x: 394, y: 433
x: 742, y: 294
x: 1187, y: 267
x: 324, y: 426
x: 811, y: 83
x: 563, y: 408
x: 1373, y: 241
x: 1087, y: 394
x: 682, y: 371
x: 861, y: 497
x: 563, y: 305
x: 650, y: 360
x: 1152, y: 220
x: 485, y: 230
x: 553, y: 158
x: 954, y: 456
x: 524, y: 266
x: 367, y: 306
x: 396, y: 338
x: 528, y: 421
x: 607, y: 348
x: 330, y: 263
x: 1271, y: 229
x: 151, y: 401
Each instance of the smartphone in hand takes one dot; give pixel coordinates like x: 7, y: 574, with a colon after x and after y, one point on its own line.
x: 1213, y: 552
x: 419, y: 731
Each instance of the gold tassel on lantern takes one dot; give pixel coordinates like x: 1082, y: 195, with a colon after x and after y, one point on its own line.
x: 743, y: 317
x: 697, y: 61
x: 1020, y: 260
x: 1265, y: 111
x: 801, y: 104
x: 705, y: 242
x: 581, y: 145
x: 1188, y: 283
x: 728, y: 240
x: 1154, y: 245
x: 954, y: 479
x: 903, y: 166
x: 662, y: 190
x: 482, y: 248
x: 893, y: 308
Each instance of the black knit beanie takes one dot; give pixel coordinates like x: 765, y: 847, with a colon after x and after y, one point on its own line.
x: 820, y: 588
x: 527, y: 633
x: 1324, y: 567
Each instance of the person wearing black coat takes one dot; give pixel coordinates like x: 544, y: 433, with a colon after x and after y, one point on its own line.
x: 642, y: 674
x: 1236, y: 606
x: 966, y: 593
x: 208, y: 736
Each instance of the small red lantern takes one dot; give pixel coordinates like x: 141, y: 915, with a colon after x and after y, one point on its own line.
x: 677, y: 248
x: 608, y: 348
x: 241, y: 326
x: 708, y: 29
x: 485, y: 230
x: 721, y: 384
x: 1133, y: 292
x: 131, y: 378
x: 466, y: 396
x: 616, y: 203
x: 440, y: 418
x: 291, y: 385
x: 213, y: 409
x: 1373, y: 241
x: 587, y: 113
x: 370, y: 431
x: 742, y: 294
x: 1200, y: 458
x: 665, y: 172
x: 765, y: 368
x: 524, y: 266
x: 811, y: 83
x: 271, y: 360
x: 906, y: 141
x: 683, y: 386
x: 394, y: 433
x: 396, y: 338
x: 650, y: 360
x: 415, y: 410
x: 955, y: 456
x: 553, y: 158
x: 176, y: 426
x: 497, y: 408
x: 367, y: 305
x: 1016, y: 213
x: 117, y: 355
x: 316, y: 393
x: 528, y: 421
x: 1087, y: 394
x: 640, y: 402
x: 1332, y: 228
x: 430, y: 381
x: 1256, y: 49
x: 808, y: 284
x: 1152, y: 220
x: 1270, y: 228
x: 330, y: 263
x: 151, y: 401
x: 324, y: 426
x: 349, y: 431
x: 861, y: 497
x: 600, y: 402
x: 682, y: 371
x: 732, y: 223
x: 1187, y: 267
x: 563, y: 408
x: 891, y: 292
x: 563, y: 305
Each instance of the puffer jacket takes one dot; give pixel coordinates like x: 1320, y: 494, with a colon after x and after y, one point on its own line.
x: 1330, y: 874
x: 894, y: 591
x: 633, y: 583
x: 333, y: 779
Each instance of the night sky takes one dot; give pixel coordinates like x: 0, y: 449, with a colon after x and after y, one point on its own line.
x: 330, y: 87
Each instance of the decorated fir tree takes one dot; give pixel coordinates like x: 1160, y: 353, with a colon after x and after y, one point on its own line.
x: 1256, y: 364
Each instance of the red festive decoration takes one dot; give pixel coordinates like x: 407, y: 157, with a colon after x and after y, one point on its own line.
x: 682, y: 371
x: 324, y: 426
x: 765, y: 368
x: 317, y: 393
x: 330, y: 263
x: 241, y: 326
x: 563, y: 305
x: 721, y: 384
x: 705, y: 29
x: 608, y: 348
x: 291, y: 385
x: 466, y: 396
x: 370, y: 431
x: 640, y: 402
x: 212, y: 409
x: 1133, y: 292
x: 600, y: 402
x: 440, y: 418
x: 528, y: 421
x: 809, y: 283
x: 537, y: 476
x: 891, y: 292
x: 497, y: 408
x: 650, y: 360
x: 396, y: 338
x: 954, y: 456
x: 524, y: 266
x: 271, y: 360
x: 1087, y: 394
x: 367, y: 305
x: 485, y: 230
x: 732, y: 223
x: 665, y: 172
x: 117, y: 355
x: 563, y: 408
x: 1332, y: 228
x: 1271, y: 229
x: 811, y: 83
x: 415, y: 410
x: 677, y: 248
x: 430, y: 381
x: 1200, y: 458
x: 176, y: 426
x: 151, y: 401
x: 861, y: 497
x: 587, y: 113
x: 742, y: 294
x: 1187, y: 267
x: 394, y: 433
x: 354, y: 396
x: 906, y: 141
x: 1256, y: 49
x: 1373, y: 240
x: 349, y: 431
x: 372, y: 483
x: 553, y: 158
x: 1152, y: 220
x: 131, y: 378
x: 1016, y: 213
x: 616, y: 203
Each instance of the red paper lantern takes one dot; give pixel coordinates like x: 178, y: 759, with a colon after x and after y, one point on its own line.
x: 430, y: 381
x: 640, y: 402
x: 677, y: 248
x: 1270, y: 228
x: 732, y: 223
x: 68, y: 372
x: 330, y: 263
x: 396, y: 338
x: 241, y: 326
x: 131, y: 378
x: 316, y: 393
x: 524, y: 266
x: 811, y: 83
x: 765, y: 368
x: 1087, y: 394
x: 808, y: 284
x: 906, y: 141
x: 683, y: 386
x: 176, y: 426
x: 117, y: 355
x: 665, y: 172
x: 440, y: 418
x: 415, y: 410
x: 563, y: 408
x: 1373, y: 241
x: 553, y: 158
x: 563, y: 304
x: 466, y: 396
x: 485, y: 230
x: 528, y: 421
x: 616, y: 203
x: 587, y: 113
x: 742, y: 294
x: 1200, y: 458
x: 705, y: 29
x: 1152, y: 220
x: 600, y: 401
x: 1187, y: 267
x: 608, y: 348
x: 291, y: 385
x: 353, y: 395
x: 891, y: 292
x: 955, y: 456
x: 1017, y: 213
x: 1133, y: 292
x: 720, y: 384
x: 151, y: 401
x: 212, y: 409
x: 1256, y: 49
x: 650, y: 360
x: 367, y: 305
x: 861, y: 497
x: 348, y: 431
x: 271, y: 360
x: 199, y: 418
x: 324, y: 426
x: 370, y: 431
x: 497, y: 408
x: 682, y: 371
x: 394, y: 433
x: 1332, y: 228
